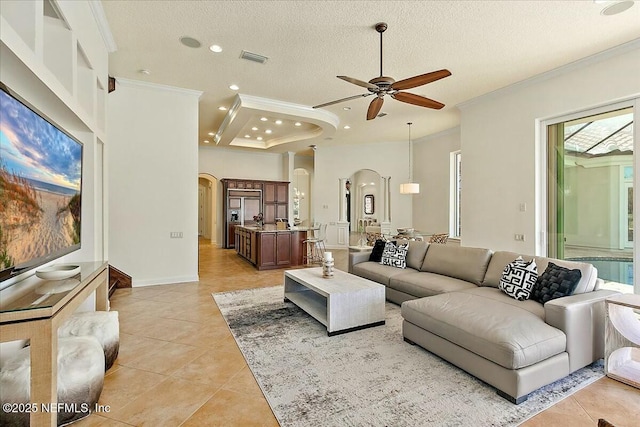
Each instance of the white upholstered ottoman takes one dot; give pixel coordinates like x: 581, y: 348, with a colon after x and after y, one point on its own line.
x: 80, y: 381
x: 102, y: 325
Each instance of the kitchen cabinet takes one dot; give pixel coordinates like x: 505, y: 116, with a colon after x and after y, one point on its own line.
x: 268, y: 248
x: 276, y: 201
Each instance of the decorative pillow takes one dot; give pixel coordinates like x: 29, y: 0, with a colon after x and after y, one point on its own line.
x: 395, y: 256
x: 519, y: 278
x: 376, y: 252
x: 555, y: 282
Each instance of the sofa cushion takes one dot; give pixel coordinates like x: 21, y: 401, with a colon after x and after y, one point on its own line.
x: 497, y: 264
x: 555, y: 282
x: 487, y: 324
x: 376, y: 272
x: 500, y: 259
x: 395, y: 255
x: 519, y: 278
x: 423, y: 284
x: 463, y: 263
x: 417, y: 251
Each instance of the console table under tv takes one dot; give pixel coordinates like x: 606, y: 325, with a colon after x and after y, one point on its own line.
x: 34, y: 309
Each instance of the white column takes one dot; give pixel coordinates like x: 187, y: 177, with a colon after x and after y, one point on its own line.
x: 385, y: 226
x: 343, y: 199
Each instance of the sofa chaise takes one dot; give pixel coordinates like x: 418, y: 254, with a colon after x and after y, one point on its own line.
x: 451, y: 306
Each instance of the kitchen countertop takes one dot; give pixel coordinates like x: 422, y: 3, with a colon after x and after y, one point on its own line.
x: 270, y: 228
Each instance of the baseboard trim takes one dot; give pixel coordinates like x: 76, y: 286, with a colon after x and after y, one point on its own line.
x: 165, y: 281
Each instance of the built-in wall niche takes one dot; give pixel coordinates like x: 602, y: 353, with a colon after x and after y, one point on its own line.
x: 364, y: 191
x: 101, y: 100
x: 58, y: 50
x: 23, y: 16
x: 36, y: 32
x: 85, y: 89
x: 301, y: 188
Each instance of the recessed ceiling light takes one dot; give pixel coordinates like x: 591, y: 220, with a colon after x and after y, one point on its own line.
x: 211, y: 134
x: 190, y: 42
x: 254, y: 128
x: 346, y: 108
x: 278, y: 122
x: 298, y: 124
x: 347, y: 127
x: 215, y: 48
x: 259, y: 138
x: 247, y: 136
x: 263, y: 119
x: 616, y: 7
x: 222, y: 108
x: 206, y: 141
x: 144, y: 71
x: 234, y: 87
x: 268, y: 131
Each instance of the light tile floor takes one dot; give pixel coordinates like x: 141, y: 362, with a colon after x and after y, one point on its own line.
x: 179, y: 365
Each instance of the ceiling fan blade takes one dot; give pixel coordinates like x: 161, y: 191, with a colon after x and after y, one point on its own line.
x: 342, y: 100
x: 374, y: 108
x: 420, y: 80
x: 358, y: 82
x: 421, y: 101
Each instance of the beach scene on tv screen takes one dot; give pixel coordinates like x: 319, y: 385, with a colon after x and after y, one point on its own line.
x: 40, y: 183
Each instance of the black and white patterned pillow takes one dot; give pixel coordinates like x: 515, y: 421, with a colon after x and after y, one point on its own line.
x: 555, y: 282
x: 519, y: 278
x: 395, y: 256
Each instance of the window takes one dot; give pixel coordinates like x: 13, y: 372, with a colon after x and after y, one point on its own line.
x: 455, y: 194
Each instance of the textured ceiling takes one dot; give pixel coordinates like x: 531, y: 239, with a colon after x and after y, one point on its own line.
x: 485, y: 44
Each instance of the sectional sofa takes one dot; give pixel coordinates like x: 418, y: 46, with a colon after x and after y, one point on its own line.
x: 452, y: 307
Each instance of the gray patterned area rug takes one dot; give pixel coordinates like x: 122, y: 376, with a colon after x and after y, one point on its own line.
x: 369, y: 377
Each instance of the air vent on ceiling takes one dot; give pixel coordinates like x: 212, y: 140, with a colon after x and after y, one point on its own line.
x: 249, y: 56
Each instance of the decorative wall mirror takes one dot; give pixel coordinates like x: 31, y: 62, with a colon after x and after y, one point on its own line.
x: 369, y: 204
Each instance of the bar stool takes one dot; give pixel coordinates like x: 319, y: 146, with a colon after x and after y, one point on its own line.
x: 315, y: 245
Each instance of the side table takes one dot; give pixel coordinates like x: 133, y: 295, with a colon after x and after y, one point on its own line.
x: 622, y: 339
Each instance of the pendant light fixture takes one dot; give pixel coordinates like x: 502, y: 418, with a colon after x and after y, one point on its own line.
x: 410, y: 187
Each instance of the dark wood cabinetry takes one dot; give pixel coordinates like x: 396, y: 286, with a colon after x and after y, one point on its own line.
x: 274, y: 203
x: 246, y: 244
x: 275, y: 249
x: 269, y: 249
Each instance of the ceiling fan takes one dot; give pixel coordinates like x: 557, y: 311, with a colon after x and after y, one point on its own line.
x: 383, y: 85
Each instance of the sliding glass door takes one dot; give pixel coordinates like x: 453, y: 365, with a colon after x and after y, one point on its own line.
x: 590, y: 193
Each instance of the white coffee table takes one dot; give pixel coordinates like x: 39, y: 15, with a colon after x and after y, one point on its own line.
x: 343, y: 303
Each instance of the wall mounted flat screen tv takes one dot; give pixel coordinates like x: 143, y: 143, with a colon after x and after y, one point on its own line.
x: 40, y: 188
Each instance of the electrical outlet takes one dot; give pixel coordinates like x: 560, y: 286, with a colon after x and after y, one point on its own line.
x: 175, y: 235
x: 519, y: 237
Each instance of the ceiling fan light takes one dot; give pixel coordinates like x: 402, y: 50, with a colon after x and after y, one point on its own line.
x: 410, y: 188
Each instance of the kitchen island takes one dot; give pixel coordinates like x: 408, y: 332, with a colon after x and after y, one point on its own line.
x: 267, y: 247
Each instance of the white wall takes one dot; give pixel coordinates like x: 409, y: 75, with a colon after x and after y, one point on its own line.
x: 153, y: 182
x: 229, y: 163
x: 499, y: 133
x: 431, y: 169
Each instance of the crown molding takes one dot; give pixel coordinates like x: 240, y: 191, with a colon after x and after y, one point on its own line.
x: 155, y: 86
x: 103, y: 25
x: 564, y: 69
